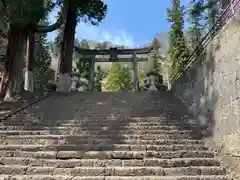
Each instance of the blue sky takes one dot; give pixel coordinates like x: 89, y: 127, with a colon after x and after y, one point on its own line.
x: 128, y: 22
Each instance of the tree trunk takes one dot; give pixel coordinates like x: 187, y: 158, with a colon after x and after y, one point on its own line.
x: 61, y: 35
x: 65, y: 80
x: 29, y: 82
x: 19, y: 65
x: 16, y: 36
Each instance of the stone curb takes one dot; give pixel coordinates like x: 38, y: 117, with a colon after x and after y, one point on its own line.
x: 24, y: 107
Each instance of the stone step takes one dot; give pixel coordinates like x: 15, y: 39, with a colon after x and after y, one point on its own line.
x: 86, y: 134
x: 112, y: 171
x: 71, y: 163
x: 103, y: 135
x: 101, y: 141
x: 101, y: 122
x: 67, y: 126
x: 64, y: 154
x: 75, y: 144
x: 102, y: 131
x: 64, y: 177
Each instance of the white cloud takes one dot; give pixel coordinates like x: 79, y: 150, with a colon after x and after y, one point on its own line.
x: 95, y: 33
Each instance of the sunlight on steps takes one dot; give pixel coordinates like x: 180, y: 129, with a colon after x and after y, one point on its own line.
x: 109, y: 136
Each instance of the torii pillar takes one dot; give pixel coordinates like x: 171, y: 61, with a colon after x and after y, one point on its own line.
x: 135, y: 71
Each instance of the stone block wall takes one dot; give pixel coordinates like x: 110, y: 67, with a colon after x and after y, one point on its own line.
x: 210, y: 88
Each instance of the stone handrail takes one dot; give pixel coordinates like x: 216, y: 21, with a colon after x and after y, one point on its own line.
x: 227, y: 14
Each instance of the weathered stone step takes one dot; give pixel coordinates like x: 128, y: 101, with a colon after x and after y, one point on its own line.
x: 95, y: 134
x: 100, y: 122
x: 48, y: 154
x: 105, y: 132
x: 56, y: 139
x: 71, y: 163
x: 106, y: 137
x: 125, y: 122
x: 103, y: 135
x: 98, y: 147
x: 112, y: 171
x: 67, y: 126
x: 64, y: 177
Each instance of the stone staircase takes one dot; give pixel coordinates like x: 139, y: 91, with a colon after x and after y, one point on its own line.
x: 106, y: 136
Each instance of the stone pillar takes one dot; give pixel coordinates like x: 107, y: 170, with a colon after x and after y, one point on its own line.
x: 29, y: 82
x: 91, y: 77
x: 135, y: 71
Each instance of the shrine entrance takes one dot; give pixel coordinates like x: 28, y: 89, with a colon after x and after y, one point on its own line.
x: 114, y: 55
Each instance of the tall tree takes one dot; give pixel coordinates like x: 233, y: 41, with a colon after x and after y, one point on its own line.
x: 196, y: 28
x: 22, y: 17
x: 178, y: 50
x: 156, y: 65
x: 92, y: 11
x: 119, y: 78
x: 212, y: 8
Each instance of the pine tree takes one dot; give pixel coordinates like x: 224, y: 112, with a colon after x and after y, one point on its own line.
x: 178, y: 50
x: 119, y: 78
x: 212, y: 15
x: 195, y: 13
x: 212, y: 12
x: 156, y: 64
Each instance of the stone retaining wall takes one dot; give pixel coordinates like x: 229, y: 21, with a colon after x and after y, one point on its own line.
x: 210, y: 88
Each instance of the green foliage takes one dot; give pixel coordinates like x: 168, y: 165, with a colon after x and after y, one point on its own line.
x: 98, y: 79
x: 93, y: 11
x: 196, y: 28
x: 82, y: 70
x: 178, y: 51
x: 156, y: 63
x: 212, y: 12
x: 84, y: 44
x: 42, y: 64
x: 141, y: 76
x: 25, y: 12
x: 119, y: 78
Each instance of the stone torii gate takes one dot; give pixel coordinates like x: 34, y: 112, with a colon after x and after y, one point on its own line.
x: 113, y: 53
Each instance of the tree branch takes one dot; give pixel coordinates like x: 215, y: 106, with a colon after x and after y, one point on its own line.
x: 61, y: 20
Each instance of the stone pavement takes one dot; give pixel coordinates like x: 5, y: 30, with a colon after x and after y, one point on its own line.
x: 106, y: 136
